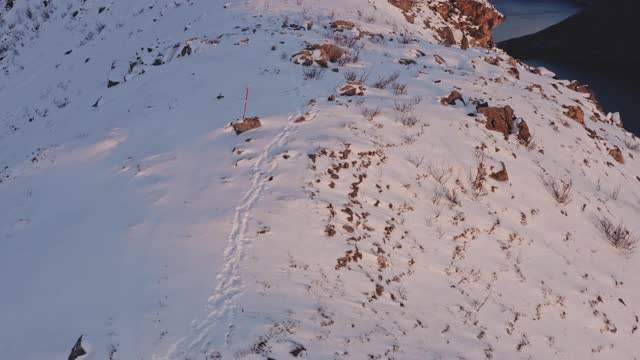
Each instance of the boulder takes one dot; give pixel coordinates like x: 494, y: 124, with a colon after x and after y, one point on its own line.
x: 524, y: 134
x: 501, y: 175
x: 319, y: 54
x: 574, y: 112
x: 616, y: 154
x: 352, y: 88
x: 514, y: 72
x: 246, y: 125
x: 464, y: 45
x: 341, y: 25
x: 407, y: 61
x: 452, y: 98
x: 499, y: 119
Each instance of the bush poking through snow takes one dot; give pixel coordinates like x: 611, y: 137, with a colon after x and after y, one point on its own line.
x: 399, y: 89
x: 478, y: 175
x: 370, y: 114
x: 312, y: 73
x: 416, y: 160
x: 560, y: 189
x: 408, y: 120
x: 617, y: 235
x: 383, y: 82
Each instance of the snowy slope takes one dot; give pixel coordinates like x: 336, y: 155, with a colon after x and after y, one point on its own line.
x: 135, y: 216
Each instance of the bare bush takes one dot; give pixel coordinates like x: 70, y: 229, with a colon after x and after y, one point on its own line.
x: 383, y: 82
x: 313, y: 73
x: 405, y: 38
x: 478, y: 175
x: 408, y: 120
x: 370, y: 114
x: 399, y: 89
x: 416, y: 160
x: 617, y: 235
x: 615, y: 193
x: 350, y: 76
x: 560, y: 189
x: 440, y: 173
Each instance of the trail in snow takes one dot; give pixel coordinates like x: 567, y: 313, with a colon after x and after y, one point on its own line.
x: 223, y: 302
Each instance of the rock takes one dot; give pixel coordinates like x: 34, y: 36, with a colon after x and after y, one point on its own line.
x: 499, y: 119
x: 448, y: 39
x: 246, y: 125
x: 482, y: 19
x: 616, y: 154
x: 352, y: 88
x: 407, y: 61
x: 501, y: 175
x: 452, y: 98
x: 464, y: 45
x: 404, y: 5
x: 186, y: 50
x: 341, y: 25
x: 439, y: 59
x: 524, y: 134
x: 319, y: 54
x: 301, y: 119
x: 574, y: 112
x: 514, y: 72
x: 492, y: 61
x: 77, y: 350
x: 111, y: 83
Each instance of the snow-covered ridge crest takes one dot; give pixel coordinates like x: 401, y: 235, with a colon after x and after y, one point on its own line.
x: 391, y: 194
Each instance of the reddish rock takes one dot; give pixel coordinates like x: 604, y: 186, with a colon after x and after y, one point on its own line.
x: 483, y: 19
x: 499, y: 119
x: 327, y: 53
x: 439, y: 59
x: 492, y: 61
x: 524, y: 134
x: 341, y: 25
x: 246, y: 125
x: 352, y: 88
x: 501, y: 175
x: 616, y: 154
x: 514, y: 72
x: 404, y: 5
x: 452, y: 98
x: 464, y: 45
x: 575, y: 112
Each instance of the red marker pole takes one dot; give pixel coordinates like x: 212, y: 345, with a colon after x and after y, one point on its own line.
x: 246, y: 102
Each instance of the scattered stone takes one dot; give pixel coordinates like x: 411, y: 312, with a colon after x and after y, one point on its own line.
x: 464, y: 45
x: 111, y: 83
x: 439, y: 59
x: 319, y: 54
x: 246, y: 125
x: 492, y: 61
x: 514, y: 72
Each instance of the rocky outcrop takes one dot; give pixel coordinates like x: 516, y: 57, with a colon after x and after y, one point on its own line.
x: 246, y: 125
x: 342, y: 25
x: 474, y: 18
x: 499, y: 119
x: 524, y: 134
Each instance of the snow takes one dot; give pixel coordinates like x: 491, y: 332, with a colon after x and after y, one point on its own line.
x: 148, y: 226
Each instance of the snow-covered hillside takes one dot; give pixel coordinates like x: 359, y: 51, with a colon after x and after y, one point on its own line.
x: 461, y: 205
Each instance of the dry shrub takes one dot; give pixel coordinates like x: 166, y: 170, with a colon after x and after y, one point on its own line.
x: 383, y: 82
x: 617, y: 234
x: 560, y: 189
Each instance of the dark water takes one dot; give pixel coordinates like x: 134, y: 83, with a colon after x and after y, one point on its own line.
x: 614, y: 89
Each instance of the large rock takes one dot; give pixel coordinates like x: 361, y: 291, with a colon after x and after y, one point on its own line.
x: 352, y: 88
x: 499, y: 119
x: 616, y: 154
x: 341, y: 25
x: 483, y: 19
x: 319, y: 54
x: 447, y: 37
x: 501, y: 175
x: 246, y: 125
x: 77, y: 350
x: 404, y: 5
x: 452, y: 98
